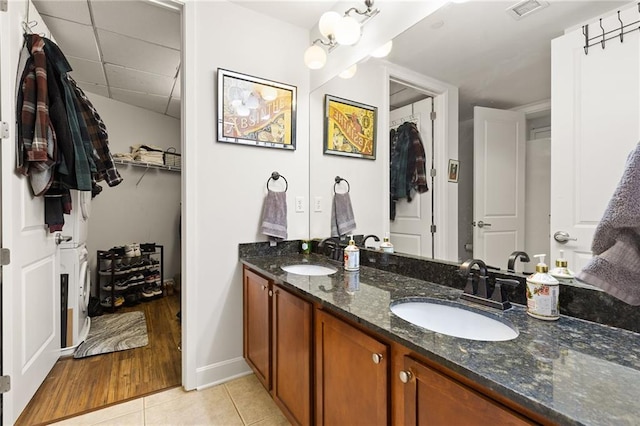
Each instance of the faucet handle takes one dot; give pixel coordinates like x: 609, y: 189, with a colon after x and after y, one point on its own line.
x: 498, y: 293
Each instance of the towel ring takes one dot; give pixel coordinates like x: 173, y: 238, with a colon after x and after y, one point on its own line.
x: 276, y: 176
x: 338, y: 179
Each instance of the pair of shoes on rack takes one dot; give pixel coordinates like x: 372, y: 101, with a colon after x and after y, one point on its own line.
x: 153, y: 277
x: 151, y: 291
x: 135, y: 279
x: 148, y: 247
x: 132, y: 250
x: 119, y: 286
x: 117, y: 301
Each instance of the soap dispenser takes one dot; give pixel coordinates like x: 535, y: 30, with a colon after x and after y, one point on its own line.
x: 542, y: 293
x: 386, y: 245
x: 561, y: 272
x: 351, y: 256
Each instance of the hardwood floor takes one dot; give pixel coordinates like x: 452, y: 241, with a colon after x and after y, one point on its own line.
x: 77, y: 386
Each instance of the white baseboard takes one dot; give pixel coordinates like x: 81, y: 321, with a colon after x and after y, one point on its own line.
x: 221, y: 372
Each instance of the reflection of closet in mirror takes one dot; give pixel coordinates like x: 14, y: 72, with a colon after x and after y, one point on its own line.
x: 411, y: 228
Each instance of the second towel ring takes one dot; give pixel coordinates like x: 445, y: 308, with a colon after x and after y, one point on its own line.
x: 338, y: 179
x: 276, y: 176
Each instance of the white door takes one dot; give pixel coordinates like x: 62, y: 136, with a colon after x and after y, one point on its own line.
x: 31, y: 289
x: 596, y: 123
x: 411, y: 229
x: 499, y: 146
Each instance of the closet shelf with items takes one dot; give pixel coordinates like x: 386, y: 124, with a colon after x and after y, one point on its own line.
x: 147, y: 165
x: 129, y: 274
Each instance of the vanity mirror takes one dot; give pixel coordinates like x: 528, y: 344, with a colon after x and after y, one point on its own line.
x: 460, y: 57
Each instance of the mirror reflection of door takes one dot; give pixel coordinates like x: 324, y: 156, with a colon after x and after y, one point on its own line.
x: 410, y: 231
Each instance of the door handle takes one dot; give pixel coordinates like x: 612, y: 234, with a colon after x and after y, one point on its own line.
x: 562, y: 237
x: 481, y: 224
x: 62, y: 238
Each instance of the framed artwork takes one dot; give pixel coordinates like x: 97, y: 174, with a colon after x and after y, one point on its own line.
x: 255, y: 111
x: 454, y: 167
x: 349, y: 128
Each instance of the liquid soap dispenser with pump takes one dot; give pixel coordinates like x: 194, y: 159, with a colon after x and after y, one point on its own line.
x: 542, y: 293
x: 351, y: 256
x: 561, y: 272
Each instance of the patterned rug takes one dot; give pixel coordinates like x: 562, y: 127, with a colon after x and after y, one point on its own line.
x: 114, y: 332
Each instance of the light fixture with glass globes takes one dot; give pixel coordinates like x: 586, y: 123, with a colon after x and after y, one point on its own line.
x: 337, y: 30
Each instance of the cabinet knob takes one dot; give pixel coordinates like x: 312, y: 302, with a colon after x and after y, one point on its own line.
x: 377, y: 358
x: 264, y: 287
x: 405, y: 376
x: 270, y: 293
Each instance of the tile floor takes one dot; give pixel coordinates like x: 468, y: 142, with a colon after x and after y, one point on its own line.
x: 242, y: 401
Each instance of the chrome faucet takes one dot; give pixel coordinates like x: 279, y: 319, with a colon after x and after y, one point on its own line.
x: 514, y: 256
x: 480, y: 293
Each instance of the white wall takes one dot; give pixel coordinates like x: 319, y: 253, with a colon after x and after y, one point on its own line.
x: 225, y: 184
x: 132, y: 212
x: 367, y: 178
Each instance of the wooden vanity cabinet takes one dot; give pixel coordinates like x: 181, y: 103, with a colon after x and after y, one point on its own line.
x: 432, y: 398
x: 278, y: 342
x: 352, y: 370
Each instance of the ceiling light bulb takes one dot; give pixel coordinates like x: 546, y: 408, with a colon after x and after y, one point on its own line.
x: 315, y: 57
x: 268, y: 93
x: 327, y: 23
x: 383, y: 50
x: 347, y: 31
x: 349, y: 72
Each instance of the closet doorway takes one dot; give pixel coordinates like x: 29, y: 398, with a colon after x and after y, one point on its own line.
x: 412, y: 218
x: 144, y: 208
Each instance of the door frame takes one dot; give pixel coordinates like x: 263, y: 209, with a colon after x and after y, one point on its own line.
x: 445, y: 98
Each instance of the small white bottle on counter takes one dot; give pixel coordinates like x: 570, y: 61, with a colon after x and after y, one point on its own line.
x: 385, y: 245
x: 351, y: 256
x: 542, y: 293
x: 561, y: 272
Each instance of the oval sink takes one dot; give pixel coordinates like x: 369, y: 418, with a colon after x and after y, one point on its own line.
x: 307, y: 269
x: 456, y: 321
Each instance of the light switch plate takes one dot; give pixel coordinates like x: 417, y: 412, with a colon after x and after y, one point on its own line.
x: 299, y: 204
x: 317, y: 204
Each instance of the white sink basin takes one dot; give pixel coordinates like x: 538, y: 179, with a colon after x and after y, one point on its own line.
x: 455, y: 321
x: 307, y: 269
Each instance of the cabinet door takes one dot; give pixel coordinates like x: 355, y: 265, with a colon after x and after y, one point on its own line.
x: 257, y: 313
x: 432, y: 398
x: 351, y: 375
x: 292, y: 361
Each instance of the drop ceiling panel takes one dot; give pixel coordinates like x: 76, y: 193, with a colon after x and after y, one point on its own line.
x: 76, y: 11
x: 87, y: 71
x: 74, y: 39
x: 132, y: 53
x: 139, y: 81
x: 151, y: 102
x: 138, y: 19
x: 94, y: 88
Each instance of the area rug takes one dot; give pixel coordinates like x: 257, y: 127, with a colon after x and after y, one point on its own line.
x: 114, y: 332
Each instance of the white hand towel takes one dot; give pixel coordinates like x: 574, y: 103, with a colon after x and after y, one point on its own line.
x: 274, y: 215
x: 342, y: 220
x: 615, y: 267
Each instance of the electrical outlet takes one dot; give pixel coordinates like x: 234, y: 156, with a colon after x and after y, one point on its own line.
x: 317, y: 204
x: 299, y: 204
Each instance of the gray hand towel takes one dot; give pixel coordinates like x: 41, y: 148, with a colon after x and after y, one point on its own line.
x: 615, y: 267
x: 274, y: 215
x: 342, y: 220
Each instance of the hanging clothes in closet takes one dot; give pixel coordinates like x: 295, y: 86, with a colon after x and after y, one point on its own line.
x: 62, y: 143
x: 408, y: 164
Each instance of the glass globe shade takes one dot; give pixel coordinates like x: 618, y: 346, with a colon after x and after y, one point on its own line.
x: 383, y: 50
x: 315, y: 57
x: 349, y: 72
x: 347, y: 31
x: 327, y: 23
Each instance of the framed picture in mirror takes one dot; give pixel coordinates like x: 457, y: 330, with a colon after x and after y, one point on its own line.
x: 255, y: 111
x: 349, y: 128
x: 454, y: 165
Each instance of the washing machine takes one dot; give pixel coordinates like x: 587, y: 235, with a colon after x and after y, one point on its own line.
x: 75, y: 262
x: 76, y: 225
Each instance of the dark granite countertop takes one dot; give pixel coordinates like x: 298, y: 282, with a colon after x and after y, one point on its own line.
x: 570, y: 371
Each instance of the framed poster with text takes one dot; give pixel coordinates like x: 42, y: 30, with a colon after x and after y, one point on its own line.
x: 349, y: 128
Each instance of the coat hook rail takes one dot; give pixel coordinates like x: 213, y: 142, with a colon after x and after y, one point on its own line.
x: 338, y: 179
x: 609, y: 35
x: 276, y: 176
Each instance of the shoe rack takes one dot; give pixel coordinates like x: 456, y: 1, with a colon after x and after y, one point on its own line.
x: 130, y: 277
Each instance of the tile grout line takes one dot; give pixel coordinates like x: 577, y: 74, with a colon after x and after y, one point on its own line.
x: 235, y: 406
